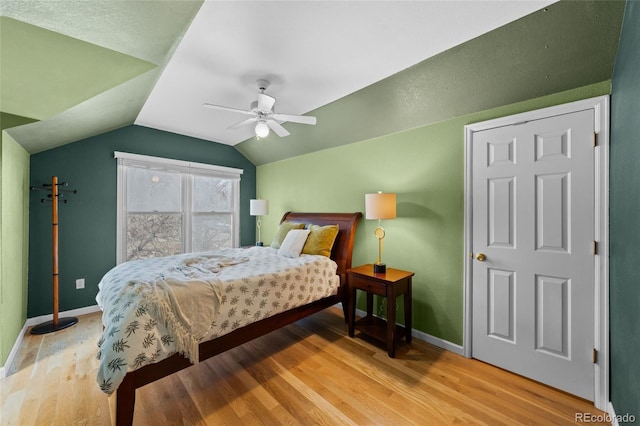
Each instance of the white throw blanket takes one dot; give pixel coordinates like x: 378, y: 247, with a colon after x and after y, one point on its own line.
x: 186, y: 299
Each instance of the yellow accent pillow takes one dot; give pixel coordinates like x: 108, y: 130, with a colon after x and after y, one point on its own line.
x: 320, y: 240
x: 283, y: 230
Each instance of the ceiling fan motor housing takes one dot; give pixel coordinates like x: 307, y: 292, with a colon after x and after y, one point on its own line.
x: 263, y: 84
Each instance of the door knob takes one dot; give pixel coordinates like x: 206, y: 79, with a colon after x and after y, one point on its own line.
x: 481, y: 257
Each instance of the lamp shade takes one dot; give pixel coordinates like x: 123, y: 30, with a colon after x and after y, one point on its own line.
x: 380, y: 206
x: 258, y: 207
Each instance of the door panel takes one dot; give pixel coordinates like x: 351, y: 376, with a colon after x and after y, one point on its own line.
x: 552, y: 315
x: 501, y: 307
x: 501, y: 203
x: 552, y: 210
x: 533, y: 218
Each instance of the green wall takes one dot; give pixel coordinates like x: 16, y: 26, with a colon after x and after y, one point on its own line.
x: 88, y: 222
x: 425, y: 168
x: 14, y: 214
x: 624, y: 284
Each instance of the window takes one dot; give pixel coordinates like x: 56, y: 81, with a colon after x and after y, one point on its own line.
x: 169, y: 206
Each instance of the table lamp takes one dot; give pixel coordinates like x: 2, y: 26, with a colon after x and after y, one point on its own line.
x: 258, y: 208
x: 380, y: 206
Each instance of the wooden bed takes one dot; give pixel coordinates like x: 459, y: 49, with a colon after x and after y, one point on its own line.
x: 341, y: 253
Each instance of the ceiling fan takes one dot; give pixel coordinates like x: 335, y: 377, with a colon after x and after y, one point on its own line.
x: 263, y: 114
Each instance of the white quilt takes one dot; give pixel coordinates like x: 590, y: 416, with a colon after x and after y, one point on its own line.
x: 153, y: 308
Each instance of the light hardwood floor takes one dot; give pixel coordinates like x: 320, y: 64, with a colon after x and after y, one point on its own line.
x: 310, y: 372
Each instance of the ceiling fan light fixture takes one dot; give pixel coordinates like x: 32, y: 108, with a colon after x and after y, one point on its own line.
x: 263, y: 116
x: 262, y: 130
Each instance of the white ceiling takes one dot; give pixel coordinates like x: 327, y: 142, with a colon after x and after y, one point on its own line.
x: 313, y: 52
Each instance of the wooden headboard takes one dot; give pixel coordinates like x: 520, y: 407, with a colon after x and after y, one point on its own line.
x: 343, y: 247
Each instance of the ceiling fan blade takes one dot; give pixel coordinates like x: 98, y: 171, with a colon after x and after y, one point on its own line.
x: 265, y: 102
x: 277, y: 127
x: 243, y: 123
x: 224, y: 108
x: 302, y: 119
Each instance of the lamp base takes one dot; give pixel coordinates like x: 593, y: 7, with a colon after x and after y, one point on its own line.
x: 379, y: 268
x: 50, y: 327
x: 260, y: 244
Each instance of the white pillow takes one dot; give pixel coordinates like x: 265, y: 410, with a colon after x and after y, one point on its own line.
x: 293, y: 243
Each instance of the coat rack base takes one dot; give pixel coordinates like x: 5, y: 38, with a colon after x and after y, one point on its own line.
x: 50, y: 327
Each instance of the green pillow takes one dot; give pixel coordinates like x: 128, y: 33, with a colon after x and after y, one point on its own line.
x: 320, y: 240
x: 282, y: 232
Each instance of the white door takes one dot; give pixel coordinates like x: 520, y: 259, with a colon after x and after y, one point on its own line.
x: 533, y: 221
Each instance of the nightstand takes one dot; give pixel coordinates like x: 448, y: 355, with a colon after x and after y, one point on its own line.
x: 391, y: 284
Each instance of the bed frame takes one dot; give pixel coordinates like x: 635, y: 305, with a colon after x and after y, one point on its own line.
x: 341, y: 253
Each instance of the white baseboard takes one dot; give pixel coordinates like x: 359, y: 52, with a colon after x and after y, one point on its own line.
x: 612, y: 414
x: 436, y: 341
x: 13, y: 353
x: 71, y: 313
x: 35, y: 321
x: 625, y: 418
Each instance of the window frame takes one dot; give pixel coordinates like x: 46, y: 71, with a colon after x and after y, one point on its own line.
x: 187, y: 170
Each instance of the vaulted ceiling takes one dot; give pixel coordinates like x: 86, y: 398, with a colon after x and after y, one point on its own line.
x: 74, y: 69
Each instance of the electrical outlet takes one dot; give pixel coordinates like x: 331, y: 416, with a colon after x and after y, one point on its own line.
x: 79, y: 283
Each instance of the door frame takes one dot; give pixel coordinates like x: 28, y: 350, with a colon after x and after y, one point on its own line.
x: 600, y: 106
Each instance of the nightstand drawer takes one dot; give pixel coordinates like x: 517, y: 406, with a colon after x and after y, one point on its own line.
x: 369, y: 286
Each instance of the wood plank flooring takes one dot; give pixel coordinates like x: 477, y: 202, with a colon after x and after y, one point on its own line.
x: 308, y: 373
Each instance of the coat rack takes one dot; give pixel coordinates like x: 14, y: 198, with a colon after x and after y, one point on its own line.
x: 56, y: 193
